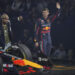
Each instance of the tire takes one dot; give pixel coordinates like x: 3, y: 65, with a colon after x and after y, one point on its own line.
x: 1, y: 66
x: 25, y: 51
x: 21, y: 51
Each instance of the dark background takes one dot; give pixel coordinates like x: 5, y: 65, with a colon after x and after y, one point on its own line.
x: 63, y: 29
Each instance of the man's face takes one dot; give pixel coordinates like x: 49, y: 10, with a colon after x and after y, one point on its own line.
x: 45, y: 13
x: 5, y: 20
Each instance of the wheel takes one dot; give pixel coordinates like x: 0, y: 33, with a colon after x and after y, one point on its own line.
x: 1, y: 65
x: 25, y: 51
x: 20, y: 51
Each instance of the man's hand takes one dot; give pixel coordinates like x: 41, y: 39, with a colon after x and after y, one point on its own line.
x: 20, y: 18
x: 58, y: 5
x: 37, y: 44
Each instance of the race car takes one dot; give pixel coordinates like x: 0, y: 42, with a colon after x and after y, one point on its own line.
x: 20, y: 60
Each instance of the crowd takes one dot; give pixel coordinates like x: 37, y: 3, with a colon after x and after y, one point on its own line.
x: 60, y: 53
x: 68, y: 6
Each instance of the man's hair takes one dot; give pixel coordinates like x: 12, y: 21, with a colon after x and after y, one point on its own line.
x: 45, y: 9
x: 4, y: 16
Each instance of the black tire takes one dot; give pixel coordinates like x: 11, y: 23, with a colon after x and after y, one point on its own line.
x: 25, y: 51
x: 1, y: 66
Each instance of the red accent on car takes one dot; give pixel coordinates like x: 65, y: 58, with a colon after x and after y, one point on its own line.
x: 30, y: 71
x: 19, y: 62
x: 1, y: 52
x: 5, y: 70
x: 47, y: 68
x: 30, y: 68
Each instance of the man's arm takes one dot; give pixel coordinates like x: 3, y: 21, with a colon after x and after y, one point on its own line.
x: 36, y: 32
x: 2, y: 41
x: 58, y: 12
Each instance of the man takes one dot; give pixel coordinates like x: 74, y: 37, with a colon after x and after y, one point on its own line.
x: 60, y: 52
x: 5, y: 29
x: 42, y: 30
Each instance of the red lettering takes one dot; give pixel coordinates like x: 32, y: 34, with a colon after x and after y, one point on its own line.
x: 7, y: 65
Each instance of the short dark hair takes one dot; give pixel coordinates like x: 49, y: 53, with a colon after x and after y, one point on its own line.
x: 44, y: 9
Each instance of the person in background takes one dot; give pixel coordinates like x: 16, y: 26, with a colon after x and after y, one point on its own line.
x: 5, y: 32
x: 60, y: 52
